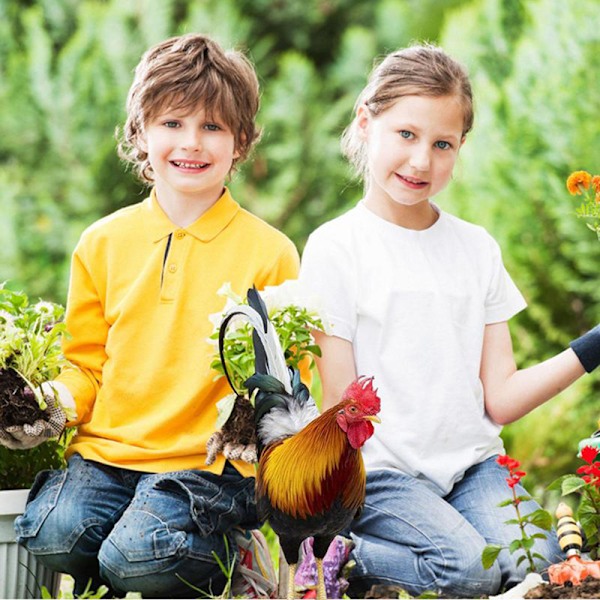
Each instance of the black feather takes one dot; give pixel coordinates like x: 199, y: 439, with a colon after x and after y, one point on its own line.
x: 260, y: 356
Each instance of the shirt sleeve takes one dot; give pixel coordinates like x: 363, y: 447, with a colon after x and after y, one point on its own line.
x: 327, y: 273
x: 503, y: 298
x: 84, y: 344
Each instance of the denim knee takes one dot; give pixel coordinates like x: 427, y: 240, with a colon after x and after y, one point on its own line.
x: 160, y: 562
x: 451, y: 571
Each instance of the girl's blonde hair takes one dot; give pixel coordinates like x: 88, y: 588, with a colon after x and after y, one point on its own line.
x: 419, y: 70
x: 182, y: 73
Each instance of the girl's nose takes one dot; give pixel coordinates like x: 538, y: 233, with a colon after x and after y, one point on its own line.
x: 420, y: 158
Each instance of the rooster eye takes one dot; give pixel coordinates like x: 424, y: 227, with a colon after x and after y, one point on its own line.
x: 352, y: 409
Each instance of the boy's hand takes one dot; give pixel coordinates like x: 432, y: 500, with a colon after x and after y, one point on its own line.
x: 29, y: 435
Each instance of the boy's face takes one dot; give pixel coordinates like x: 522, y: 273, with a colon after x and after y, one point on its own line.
x: 190, y: 153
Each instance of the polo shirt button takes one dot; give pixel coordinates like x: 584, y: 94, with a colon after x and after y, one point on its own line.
x: 180, y: 234
x: 172, y: 268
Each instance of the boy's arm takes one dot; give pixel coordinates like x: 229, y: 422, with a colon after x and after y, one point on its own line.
x: 84, y: 344
x: 511, y: 393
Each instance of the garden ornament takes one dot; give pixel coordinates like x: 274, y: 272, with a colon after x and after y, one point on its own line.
x: 574, y: 569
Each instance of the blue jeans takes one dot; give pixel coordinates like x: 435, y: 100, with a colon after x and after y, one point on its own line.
x: 136, y: 531
x: 411, y: 536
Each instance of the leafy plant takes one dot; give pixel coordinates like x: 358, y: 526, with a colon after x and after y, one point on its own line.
x: 582, y: 183
x: 30, y: 336
x: 539, y: 518
x: 292, y: 317
x: 587, y: 485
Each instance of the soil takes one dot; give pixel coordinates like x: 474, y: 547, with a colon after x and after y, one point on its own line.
x: 17, y: 402
x: 589, y: 588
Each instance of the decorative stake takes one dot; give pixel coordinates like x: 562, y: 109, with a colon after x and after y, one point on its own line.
x: 574, y: 569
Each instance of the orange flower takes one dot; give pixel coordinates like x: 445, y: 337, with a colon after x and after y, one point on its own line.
x: 596, y: 187
x: 578, y: 181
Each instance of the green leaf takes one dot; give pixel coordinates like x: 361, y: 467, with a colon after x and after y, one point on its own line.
x: 572, y: 484
x: 490, y: 554
x: 515, y: 545
x: 540, y: 518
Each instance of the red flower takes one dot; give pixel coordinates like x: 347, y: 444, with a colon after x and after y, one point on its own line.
x: 512, y: 465
x: 589, y: 453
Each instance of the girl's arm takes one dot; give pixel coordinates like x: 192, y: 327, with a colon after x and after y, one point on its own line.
x: 511, y: 393
x: 336, y: 367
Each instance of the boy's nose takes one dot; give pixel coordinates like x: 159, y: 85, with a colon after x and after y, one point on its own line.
x: 192, y: 140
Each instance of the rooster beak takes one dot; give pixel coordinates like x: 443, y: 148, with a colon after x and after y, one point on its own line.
x: 373, y: 418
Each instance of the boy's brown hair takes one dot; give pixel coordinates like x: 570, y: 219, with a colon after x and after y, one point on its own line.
x: 183, y: 72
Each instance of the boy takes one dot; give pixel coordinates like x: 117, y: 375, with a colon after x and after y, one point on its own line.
x: 137, y: 508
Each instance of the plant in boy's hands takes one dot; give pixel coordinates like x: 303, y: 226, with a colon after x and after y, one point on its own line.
x: 539, y: 518
x: 30, y: 356
x: 582, y: 183
x: 587, y: 484
x: 293, y: 316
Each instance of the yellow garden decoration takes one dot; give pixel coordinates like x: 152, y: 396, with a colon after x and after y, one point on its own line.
x: 582, y: 183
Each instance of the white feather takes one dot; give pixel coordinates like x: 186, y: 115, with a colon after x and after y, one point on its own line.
x: 284, y: 422
x: 270, y: 340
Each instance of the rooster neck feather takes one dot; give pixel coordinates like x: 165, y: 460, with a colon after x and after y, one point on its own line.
x: 304, y: 474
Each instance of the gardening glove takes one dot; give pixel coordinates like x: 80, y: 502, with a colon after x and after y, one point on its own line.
x: 22, y: 437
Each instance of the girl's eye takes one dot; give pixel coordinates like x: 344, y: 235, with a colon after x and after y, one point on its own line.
x: 405, y: 134
x: 171, y: 124
x: 212, y: 127
x: 443, y: 145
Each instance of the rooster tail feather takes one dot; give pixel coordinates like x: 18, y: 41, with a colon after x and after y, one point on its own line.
x: 268, y: 352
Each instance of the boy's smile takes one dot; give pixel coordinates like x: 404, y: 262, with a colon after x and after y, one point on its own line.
x: 191, y: 156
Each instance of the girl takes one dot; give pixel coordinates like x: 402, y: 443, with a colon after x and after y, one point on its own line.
x: 420, y: 299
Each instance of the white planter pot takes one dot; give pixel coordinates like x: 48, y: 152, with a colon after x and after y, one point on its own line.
x: 21, y: 576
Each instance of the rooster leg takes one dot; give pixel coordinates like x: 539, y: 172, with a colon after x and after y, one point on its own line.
x: 321, y: 591
x: 291, y: 594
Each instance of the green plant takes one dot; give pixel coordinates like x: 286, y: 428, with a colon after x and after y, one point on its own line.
x: 30, y: 336
x: 538, y: 518
x: 292, y: 318
x: 582, y: 183
x: 587, y: 485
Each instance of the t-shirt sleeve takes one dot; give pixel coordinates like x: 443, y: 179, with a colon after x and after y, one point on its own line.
x: 503, y: 298
x: 327, y: 274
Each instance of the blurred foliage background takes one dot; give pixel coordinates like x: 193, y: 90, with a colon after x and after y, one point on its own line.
x: 66, y: 66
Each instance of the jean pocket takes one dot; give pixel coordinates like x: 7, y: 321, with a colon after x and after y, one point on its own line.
x: 42, y: 499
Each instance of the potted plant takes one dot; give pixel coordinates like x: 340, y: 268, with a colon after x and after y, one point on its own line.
x: 30, y: 354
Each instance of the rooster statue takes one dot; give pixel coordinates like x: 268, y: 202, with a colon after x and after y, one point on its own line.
x: 311, y: 478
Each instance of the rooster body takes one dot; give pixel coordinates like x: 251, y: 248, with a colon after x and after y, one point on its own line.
x: 311, y: 478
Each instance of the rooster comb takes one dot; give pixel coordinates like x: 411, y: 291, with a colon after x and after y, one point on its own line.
x: 362, y: 392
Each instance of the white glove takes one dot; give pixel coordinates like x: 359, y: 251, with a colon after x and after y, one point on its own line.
x: 29, y: 435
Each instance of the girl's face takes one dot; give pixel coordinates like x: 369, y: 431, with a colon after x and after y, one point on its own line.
x: 412, y: 147
x: 190, y: 153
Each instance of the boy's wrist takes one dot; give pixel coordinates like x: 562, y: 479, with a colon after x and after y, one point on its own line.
x: 587, y: 349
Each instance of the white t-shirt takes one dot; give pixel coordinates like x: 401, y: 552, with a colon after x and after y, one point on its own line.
x: 415, y: 304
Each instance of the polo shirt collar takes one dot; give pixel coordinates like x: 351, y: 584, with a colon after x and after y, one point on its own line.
x: 207, y: 227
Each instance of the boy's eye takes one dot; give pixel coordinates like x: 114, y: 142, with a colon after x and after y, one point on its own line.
x: 405, y: 134
x: 212, y: 127
x: 442, y: 145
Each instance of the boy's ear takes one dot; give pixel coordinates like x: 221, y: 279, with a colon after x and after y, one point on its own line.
x: 362, y: 121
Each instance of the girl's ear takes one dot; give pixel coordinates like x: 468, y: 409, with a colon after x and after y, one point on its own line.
x: 363, y: 118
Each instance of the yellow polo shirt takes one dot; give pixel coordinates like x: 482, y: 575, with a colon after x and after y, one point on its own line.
x: 140, y: 294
